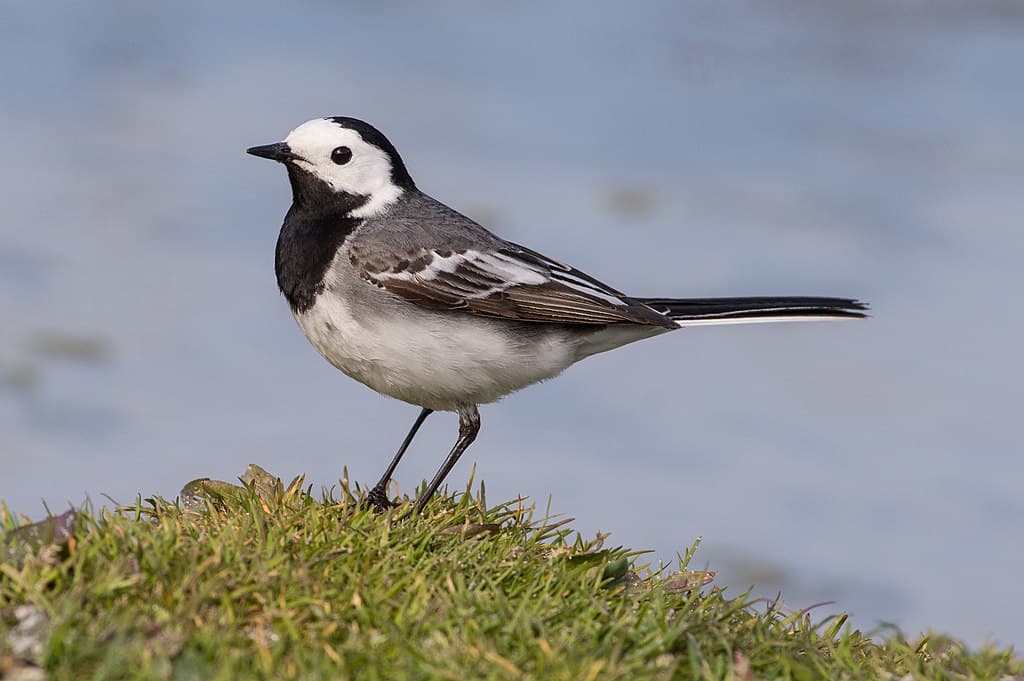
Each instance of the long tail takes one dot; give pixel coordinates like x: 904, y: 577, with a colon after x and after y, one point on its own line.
x: 707, y: 311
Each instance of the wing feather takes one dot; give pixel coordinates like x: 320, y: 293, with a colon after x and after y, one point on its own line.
x: 510, y: 283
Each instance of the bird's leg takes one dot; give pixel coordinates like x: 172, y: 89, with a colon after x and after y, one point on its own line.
x: 378, y: 496
x: 469, y: 426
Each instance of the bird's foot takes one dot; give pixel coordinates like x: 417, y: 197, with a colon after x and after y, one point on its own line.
x: 378, y: 500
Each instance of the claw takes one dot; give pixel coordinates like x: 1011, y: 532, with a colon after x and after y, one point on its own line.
x: 378, y: 500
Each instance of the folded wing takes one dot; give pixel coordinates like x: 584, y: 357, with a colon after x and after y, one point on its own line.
x: 511, y: 282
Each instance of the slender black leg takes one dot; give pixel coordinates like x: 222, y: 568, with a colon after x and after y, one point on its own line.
x: 378, y: 496
x: 469, y: 426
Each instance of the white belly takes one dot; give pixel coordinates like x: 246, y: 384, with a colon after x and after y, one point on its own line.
x: 431, y: 359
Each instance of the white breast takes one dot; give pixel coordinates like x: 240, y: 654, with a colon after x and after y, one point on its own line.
x: 433, y: 359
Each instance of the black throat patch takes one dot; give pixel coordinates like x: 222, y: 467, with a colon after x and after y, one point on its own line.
x: 315, y: 227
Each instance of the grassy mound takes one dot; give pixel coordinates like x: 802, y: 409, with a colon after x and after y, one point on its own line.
x: 266, y: 582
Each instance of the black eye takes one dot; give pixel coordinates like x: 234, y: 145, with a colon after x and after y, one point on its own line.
x: 341, y: 155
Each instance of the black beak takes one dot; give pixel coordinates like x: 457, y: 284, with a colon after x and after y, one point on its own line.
x: 279, y: 152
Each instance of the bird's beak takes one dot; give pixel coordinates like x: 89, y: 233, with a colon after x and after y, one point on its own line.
x: 279, y: 152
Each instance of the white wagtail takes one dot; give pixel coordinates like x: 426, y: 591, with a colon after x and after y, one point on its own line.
x: 420, y: 303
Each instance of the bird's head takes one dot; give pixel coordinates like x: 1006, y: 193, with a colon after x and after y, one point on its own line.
x: 341, y: 158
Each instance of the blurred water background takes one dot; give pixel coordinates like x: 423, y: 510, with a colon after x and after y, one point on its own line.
x: 870, y: 149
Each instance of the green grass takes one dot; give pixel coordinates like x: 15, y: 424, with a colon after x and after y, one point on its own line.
x: 270, y: 583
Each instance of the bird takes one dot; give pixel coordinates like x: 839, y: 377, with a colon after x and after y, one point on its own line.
x: 421, y: 303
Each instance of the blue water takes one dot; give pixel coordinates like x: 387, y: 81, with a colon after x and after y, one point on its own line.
x: 780, y: 147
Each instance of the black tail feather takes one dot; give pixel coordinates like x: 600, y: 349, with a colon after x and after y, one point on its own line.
x: 710, y: 309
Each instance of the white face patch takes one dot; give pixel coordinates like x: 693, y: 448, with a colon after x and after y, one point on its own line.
x: 368, y: 173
